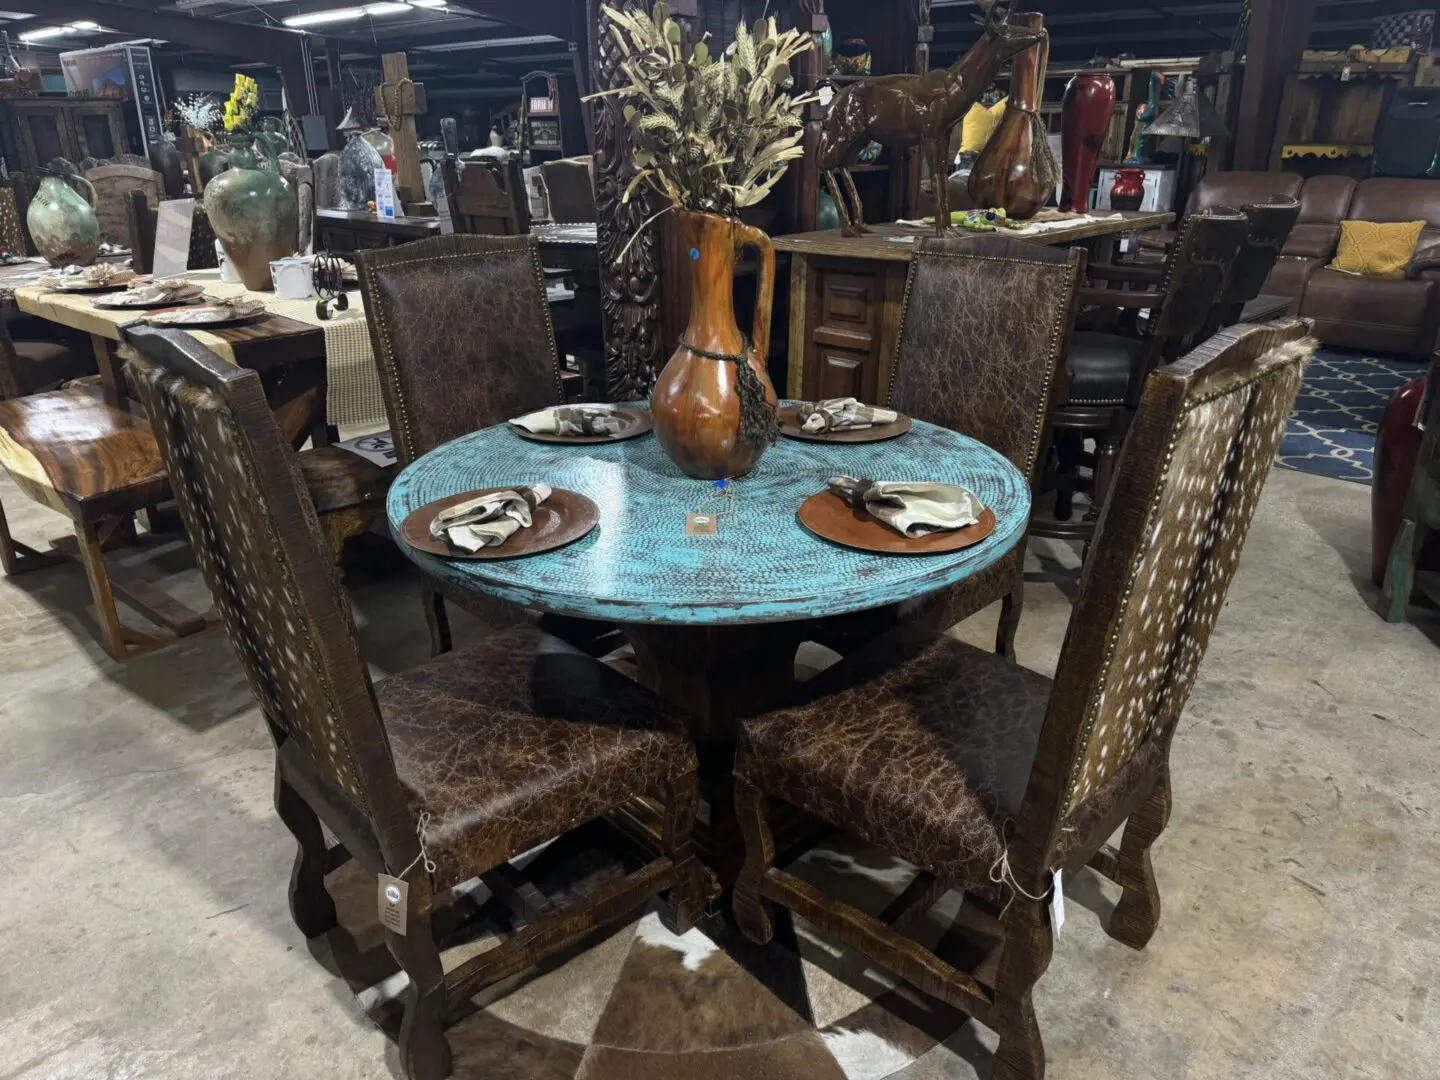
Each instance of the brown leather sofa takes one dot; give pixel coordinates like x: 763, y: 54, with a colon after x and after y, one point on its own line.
x: 1381, y: 314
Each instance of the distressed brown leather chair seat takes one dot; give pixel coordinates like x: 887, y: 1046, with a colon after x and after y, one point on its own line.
x: 922, y: 749
x: 39, y: 366
x: 516, y: 740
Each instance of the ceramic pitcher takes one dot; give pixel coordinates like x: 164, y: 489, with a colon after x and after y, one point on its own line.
x: 62, y: 223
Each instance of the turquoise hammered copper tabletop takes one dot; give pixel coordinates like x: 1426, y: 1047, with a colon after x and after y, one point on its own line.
x: 639, y: 567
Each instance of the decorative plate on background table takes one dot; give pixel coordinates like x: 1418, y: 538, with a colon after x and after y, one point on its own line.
x: 633, y: 422
x: 561, y: 519
x: 212, y: 314
x: 147, y: 296
x: 790, y: 427
x: 99, y: 278
x: 828, y: 516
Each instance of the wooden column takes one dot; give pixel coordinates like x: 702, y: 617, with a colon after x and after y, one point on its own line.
x: 399, y: 98
x: 804, y: 179
x: 1279, y: 30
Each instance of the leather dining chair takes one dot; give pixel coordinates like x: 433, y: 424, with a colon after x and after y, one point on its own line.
x: 991, y: 778
x: 983, y: 329
x: 435, y: 775
x: 1105, y: 371
x: 462, y: 334
x: 1268, y: 226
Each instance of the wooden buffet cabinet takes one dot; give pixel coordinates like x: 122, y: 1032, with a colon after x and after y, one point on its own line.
x: 42, y: 128
x: 847, y: 296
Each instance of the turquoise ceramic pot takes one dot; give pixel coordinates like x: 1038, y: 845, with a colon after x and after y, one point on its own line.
x: 255, y: 214
x: 62, y: 223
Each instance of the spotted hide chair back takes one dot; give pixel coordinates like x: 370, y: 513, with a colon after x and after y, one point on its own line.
x: 259, y: 545
x: 982, y: 338
x: 1193, y: 467
x: 462, y: 334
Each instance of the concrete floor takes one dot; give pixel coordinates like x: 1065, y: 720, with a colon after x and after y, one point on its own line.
x: 144, y: 933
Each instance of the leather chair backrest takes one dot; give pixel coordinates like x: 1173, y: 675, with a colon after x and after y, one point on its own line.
x: 1241, y: 188
x: 462, y: 334
x: 982, y: 338
x: 1270, y: 224
x: 1206, y: 247
x: 1324, y: 203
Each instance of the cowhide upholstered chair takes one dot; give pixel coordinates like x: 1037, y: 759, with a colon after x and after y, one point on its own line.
x: 1106, y: 371
x: 462, y: 334
x: 982, y: 339
x: 994, y: 779
x: 435, y: 775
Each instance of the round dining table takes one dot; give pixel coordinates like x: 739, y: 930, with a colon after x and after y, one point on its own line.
x: 715, y: 620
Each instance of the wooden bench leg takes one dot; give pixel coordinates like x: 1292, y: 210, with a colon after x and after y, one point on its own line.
x: 17, y: 558
x: 121, y: 641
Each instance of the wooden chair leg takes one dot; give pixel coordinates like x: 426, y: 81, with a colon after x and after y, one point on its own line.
x: 92, y: 556
x: 424, y: 1051
x: 1029, y: 940
x: 1010, y: 608
x: 687, y: 895
x: 1138, y: 913
x: 310, y: 904
x: 9, y: 557
x: 752, y: 914
x: 437, y: 620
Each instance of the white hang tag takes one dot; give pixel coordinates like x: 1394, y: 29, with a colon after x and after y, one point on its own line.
x: 394, y: 900
x: 1057, y: 904
x: 701, y: 524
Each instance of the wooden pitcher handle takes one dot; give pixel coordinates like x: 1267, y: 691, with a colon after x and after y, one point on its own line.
x: 747, y: 236
x: 89, y: 187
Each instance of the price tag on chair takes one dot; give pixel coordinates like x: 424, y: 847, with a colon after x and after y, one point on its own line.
x: 1057, y: 904
x: 394, y: 900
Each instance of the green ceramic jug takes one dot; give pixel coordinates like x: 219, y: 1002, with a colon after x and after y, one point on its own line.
x: 63, y: 224
x: 255, y: 214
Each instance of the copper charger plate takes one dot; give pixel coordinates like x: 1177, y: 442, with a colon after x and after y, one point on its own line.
x: 633, y: 422
x: 790, y: 426
x: 114, y: 303
x: 184, y: 316
x: 831, y: 518
x: 561, y: 519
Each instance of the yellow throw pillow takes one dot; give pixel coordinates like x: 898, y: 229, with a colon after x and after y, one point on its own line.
x: 1375, y: 249
x: 979, y: 124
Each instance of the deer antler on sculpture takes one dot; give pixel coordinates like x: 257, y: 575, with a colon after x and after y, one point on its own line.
x: 915, y: 110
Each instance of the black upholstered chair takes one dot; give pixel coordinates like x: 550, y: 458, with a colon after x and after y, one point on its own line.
x: 1268, y: 226
x: 991, y: 778
x: 1105, y: 370
x: 435, y: 775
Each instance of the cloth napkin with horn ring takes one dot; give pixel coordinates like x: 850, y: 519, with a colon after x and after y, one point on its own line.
x: 842, y: 414
x: 571, y: 420
x: 488, y: 520
x: 911, y: 508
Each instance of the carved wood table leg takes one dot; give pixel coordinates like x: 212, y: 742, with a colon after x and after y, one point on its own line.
x: 716, y: 675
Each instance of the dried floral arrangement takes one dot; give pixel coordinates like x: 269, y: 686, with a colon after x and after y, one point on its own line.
x: 711, y: 133
x: 199, y: 112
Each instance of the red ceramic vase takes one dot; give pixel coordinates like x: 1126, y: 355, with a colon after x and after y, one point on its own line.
x: 1397, y: 448
x: 1129, y: 190
x: 1085, y: 118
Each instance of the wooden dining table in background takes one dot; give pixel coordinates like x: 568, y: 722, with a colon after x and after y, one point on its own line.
x: 715, y: 621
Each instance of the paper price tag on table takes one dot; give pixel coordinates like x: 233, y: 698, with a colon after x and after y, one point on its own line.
x: 385, y: 194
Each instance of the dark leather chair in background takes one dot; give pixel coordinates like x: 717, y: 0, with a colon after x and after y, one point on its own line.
x: 1268, y: 227
x: 1400, y: 315
x: 991, y: 778
x: 437, y: 775
x: 1106, y: 370
x: 570, y: 183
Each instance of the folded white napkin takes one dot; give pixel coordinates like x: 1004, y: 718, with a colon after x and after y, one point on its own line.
x: 489, y: 520
x: 842, y: 414
x: 571, y: 420
x: 911, y: 508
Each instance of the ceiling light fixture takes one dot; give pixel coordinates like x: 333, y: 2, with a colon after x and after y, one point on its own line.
x: 316, y: 18
x: 59, y: 31
x: 437, y: 5
x: 489, y: 43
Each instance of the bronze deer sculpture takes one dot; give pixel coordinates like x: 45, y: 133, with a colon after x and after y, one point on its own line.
x: 908, y: 110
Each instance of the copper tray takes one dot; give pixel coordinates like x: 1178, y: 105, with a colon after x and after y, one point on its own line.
x: 561, y: 519
x: 117, y: 303
x: 790, y: 427
x: 831, y: 518
x: 633, y: 422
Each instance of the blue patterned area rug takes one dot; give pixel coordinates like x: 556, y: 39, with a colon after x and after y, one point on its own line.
x: 1338, y: 412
